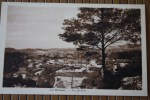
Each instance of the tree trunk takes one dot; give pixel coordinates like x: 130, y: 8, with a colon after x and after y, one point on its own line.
x: 102, y: 42
x: 106, y: 74
x: 103, y: 54
x: 108, y: 78
x: 103, y: 59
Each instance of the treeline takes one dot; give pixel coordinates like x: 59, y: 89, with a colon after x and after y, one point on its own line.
x: 13, y: 60
x: 18, y: 81
x: 131, y: 54
x: 132, y: 69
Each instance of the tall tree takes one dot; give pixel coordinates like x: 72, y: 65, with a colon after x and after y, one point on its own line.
x: 100, y: 28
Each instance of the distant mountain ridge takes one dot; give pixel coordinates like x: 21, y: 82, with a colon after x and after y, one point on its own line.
x: 35, y: 50
x: 29, y: 50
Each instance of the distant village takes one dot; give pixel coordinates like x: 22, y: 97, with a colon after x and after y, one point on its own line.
x: 60, y: 69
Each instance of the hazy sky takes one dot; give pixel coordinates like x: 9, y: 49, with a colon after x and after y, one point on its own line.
x: 37, y: 27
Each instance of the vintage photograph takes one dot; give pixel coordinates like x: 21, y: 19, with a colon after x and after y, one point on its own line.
x: 79, y: 47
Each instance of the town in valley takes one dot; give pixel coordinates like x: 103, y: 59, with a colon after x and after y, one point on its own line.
x: 68, y: 68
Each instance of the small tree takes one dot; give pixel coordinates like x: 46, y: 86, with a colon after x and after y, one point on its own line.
x: 100, y: 28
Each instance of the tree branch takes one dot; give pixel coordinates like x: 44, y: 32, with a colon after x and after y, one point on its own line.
x: 98, y: 47
x: 112, y: 36
x: 109, y: 31
x: 116, y: 40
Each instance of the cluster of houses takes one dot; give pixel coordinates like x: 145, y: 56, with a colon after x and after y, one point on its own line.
x: 43, y: 65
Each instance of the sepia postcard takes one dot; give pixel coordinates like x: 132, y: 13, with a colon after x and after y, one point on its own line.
x: 73, y: 49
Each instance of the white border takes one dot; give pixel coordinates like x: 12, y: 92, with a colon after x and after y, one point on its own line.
x: 142, y: 92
